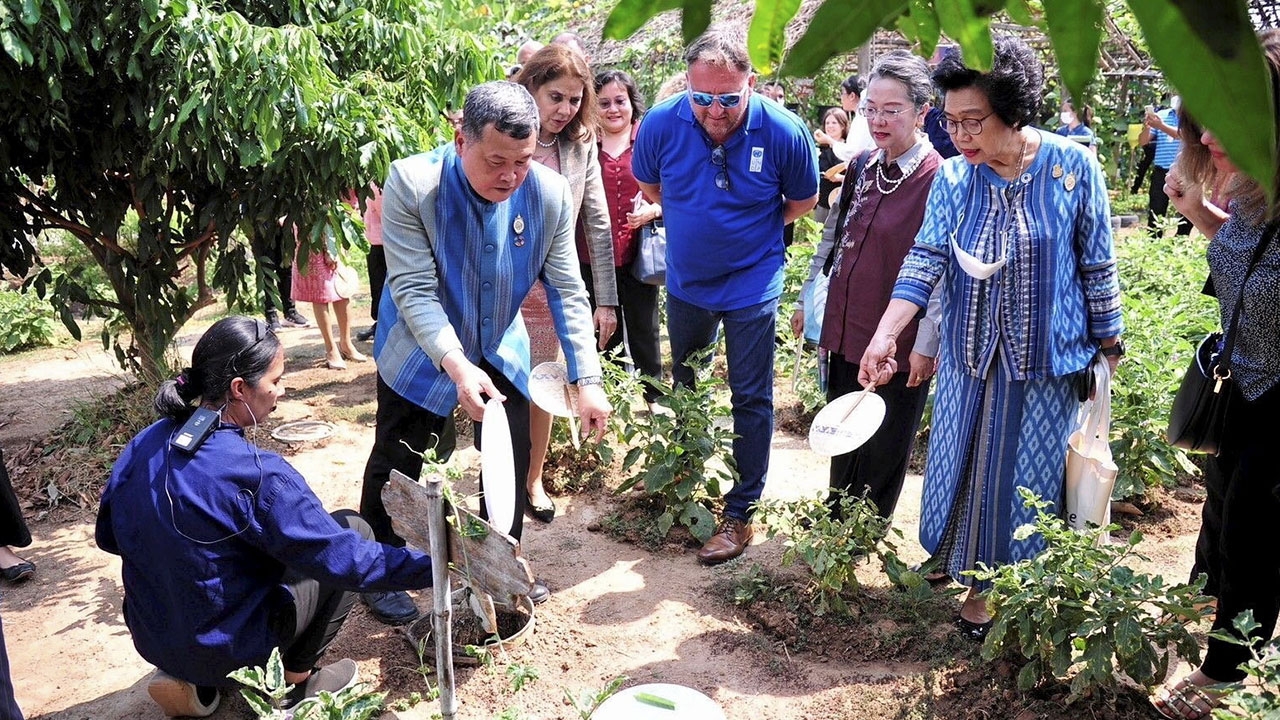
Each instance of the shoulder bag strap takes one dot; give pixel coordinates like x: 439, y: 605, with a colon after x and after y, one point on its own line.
x: 846, y: 199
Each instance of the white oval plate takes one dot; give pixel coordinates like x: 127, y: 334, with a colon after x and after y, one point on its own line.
x: 498, y: 465
x: 846, y: 423
x: 690, y: 704
x: 547, y: 385
x: 303, y: 431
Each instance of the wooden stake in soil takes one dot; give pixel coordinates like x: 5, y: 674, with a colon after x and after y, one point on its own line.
x: 442, y: 612
x: 487, y: 558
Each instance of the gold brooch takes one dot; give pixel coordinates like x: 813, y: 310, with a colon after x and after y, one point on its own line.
x: 518, y: 225
x: 1070, y: 182
x: 1057, y: 171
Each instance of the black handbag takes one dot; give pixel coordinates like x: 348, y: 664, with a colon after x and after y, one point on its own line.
x: 650, y: 265
x: 1200, y: 408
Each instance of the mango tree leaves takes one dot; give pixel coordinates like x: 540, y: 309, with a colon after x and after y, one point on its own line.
x: 1075, y: 28
x: 1226, y: 87
x: 961, y: 21
x: 1207, y: 50
x: 845, y: 25
x: 766, y: 39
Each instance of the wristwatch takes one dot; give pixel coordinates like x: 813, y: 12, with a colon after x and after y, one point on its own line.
x: 1116, y: 350
x: 589, y: 380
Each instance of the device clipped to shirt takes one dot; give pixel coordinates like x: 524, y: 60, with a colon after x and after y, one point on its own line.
x: 195, y: 431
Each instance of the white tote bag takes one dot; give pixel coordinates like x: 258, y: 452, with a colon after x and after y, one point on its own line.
x: 1091, y: 473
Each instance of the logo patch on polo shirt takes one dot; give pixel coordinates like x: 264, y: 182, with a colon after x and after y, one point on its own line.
x: 757, y: 159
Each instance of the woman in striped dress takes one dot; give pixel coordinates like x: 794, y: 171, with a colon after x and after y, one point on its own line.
x: 1017, y: 230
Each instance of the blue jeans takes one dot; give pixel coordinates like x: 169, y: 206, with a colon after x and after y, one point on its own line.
x: 749, y: 346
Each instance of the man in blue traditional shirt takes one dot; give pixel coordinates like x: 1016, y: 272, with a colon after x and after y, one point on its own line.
x: 468, y: 228
x: 730, y: 169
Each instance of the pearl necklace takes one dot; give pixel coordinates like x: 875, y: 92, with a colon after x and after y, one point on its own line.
x: 882, y: 178
x: 546, y: 144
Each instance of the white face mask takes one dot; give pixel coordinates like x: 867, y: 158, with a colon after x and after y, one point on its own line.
x: 1067, y: 117
x: 972, y: 266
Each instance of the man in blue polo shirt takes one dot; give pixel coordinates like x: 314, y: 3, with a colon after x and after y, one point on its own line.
x: 730, y: 169
x: 1161, y: 128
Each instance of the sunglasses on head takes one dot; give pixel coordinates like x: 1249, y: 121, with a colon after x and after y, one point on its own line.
x: 726, y: 100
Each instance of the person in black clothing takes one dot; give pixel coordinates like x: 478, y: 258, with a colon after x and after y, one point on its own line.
x: 268, y: 242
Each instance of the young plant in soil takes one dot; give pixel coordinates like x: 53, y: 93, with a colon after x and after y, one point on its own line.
x: 1258, y: 696
x: 265, y: 690
x: 1077, y: 611
x: 683, y: 457
x: 588, y: 701
x: 830, y: 545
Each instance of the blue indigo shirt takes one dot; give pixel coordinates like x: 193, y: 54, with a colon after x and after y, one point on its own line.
x: 1059, y: 293
x: 724, y: 246
x: 1167, y: 146
x: 205, y: 539
x: 458, y: 267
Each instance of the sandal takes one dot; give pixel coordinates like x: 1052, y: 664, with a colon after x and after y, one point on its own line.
x: 1185, y: 700
x: 935, y: 578
x: 975, y: 631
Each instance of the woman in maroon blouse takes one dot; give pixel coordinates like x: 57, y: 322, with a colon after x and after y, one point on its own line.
x: 620, y: 109
x: 871, y: 239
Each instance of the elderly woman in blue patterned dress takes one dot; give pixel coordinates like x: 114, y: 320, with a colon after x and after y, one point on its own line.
x: 1017, y: 229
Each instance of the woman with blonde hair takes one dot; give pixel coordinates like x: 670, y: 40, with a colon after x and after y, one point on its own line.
x: 1236, y: 550
x: 563, y: 88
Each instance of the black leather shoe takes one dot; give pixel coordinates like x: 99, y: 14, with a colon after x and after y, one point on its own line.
x: 391, y: 608
x: 540, y: 593
x: 18, y: 573
x: 541, y: 513
x: 367, y: 335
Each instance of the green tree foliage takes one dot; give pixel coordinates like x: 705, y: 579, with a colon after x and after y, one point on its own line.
x: 1207, y: 50
x: 192, y: 117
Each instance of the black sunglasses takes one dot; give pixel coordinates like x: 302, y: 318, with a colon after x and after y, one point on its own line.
x: 718, y: 159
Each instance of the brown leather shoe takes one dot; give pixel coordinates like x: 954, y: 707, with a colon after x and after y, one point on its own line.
x: 730, y: 540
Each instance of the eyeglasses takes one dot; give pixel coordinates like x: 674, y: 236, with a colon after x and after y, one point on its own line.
x: 871, y: 113
x: 971, y: 126
x: 718, y: 159
x: 726, y: 100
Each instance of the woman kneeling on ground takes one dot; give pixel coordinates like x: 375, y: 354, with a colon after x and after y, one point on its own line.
x: 227, y: 551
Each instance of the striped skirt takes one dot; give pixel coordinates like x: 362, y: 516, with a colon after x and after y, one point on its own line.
x: 990, y: 436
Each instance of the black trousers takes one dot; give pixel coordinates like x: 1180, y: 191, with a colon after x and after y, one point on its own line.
x: 1144, y: 164
x: 404, y: 430
x: 13, y: 528
x: 269, y: 243
x: 1237, y: 548
x: 376, y: 262
x: 638, y: 324
x: 880, y: 465
x: 1158, y: 202
x: 307, y: 625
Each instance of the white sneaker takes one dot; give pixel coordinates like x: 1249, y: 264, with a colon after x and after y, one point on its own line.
x: 179, y: 698
x: 333, y: 678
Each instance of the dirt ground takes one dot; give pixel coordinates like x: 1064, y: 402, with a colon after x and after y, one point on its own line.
x: 617, y: 609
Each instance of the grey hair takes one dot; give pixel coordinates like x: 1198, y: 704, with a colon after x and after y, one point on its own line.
x: 910, y: 70
x: 507, y: 106
x: 722, y: 46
